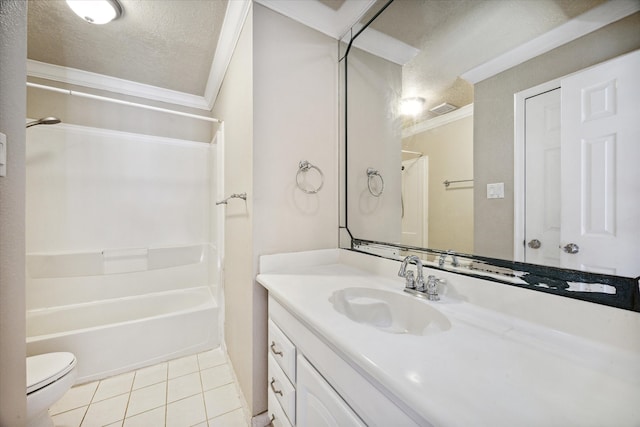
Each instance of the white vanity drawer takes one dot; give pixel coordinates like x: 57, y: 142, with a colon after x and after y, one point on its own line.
x: 278, y: 418
x: 282, y: 389
x: 282, y: 350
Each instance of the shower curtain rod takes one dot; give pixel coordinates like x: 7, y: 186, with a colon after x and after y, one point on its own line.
x: 119, y: 101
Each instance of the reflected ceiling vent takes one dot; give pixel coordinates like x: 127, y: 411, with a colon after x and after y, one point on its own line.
x: 443, y: 108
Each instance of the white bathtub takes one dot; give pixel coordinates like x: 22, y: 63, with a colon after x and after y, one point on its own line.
x: 117, y: 335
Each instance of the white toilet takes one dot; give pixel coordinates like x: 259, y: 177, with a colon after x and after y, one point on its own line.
x: 49, y: 376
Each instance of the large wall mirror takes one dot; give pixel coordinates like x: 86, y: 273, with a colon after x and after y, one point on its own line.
x: 502, y: 131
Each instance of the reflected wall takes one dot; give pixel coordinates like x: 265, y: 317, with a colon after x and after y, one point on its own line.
x: 494, y: 124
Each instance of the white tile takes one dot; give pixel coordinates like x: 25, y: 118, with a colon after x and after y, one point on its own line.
x: 155, y: 417
x: 216, y: 377
x: 230, y: 419
x: 106, y: 411
x: 186, y: 412
x: 76, y: 397
x: 183, y: 366
x: 147, y: 398
x: 116, y: 424
x: 71, y: 418
x: 184, y: 386
x: 211, y: 358
x: 203, y: 424
x: 151, y: 375
x: 114, y: 386
x: 221, y: 400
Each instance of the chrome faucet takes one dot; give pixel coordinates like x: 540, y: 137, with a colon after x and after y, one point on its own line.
x: 412, y: 283
x: 443, y: 257
x: 417, y: 286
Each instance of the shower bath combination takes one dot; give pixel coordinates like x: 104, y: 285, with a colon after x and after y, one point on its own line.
x: 44, y: 121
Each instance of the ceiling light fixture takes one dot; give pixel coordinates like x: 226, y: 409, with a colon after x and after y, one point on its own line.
x: 412, y: 106
x: 96, y: 11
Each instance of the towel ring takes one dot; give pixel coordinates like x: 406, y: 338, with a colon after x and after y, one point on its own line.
x: 305, y: 166
x: 371, y: 174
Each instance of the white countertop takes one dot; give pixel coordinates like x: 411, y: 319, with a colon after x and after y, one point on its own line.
x: 487, y: 369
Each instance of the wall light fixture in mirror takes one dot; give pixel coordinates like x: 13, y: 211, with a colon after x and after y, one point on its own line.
x: 534, y: 162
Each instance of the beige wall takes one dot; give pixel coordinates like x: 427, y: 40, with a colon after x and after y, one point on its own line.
x: 494, y: 130
x: 13, y: 51
x: 234, y: 105
x: 279, y: 106
x: 373, y: 140
x: 450, y: 151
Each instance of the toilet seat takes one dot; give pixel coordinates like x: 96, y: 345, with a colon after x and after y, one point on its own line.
x: 44, y: 369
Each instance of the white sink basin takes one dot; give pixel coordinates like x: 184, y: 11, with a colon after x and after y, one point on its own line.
x: 389, y: 311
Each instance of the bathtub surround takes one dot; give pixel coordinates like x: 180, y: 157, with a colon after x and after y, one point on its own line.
x: 13, y: 53
x: 279, y: 104
x: 119, y: 271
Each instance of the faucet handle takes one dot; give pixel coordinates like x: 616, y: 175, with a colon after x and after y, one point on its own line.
x: 411, y: 281
x: 432, y: 288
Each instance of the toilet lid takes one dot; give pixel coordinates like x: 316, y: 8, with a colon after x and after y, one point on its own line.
x: 44, y: 369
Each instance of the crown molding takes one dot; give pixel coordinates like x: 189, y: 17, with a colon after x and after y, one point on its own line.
x: 320, y: 17
x: 584, y: 24
x: 229, y: 34
x: 234, y: 19
x: 426, y: 125
x: 112, y: 84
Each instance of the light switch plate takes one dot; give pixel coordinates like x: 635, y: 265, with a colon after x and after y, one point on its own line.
x: 3, y: 154
x: 495, y: 191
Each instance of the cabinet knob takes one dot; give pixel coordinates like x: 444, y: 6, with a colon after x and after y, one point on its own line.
x: 273, y: 380
x: 273, y: 349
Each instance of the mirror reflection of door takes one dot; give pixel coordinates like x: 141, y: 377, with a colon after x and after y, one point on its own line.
x: 415, y: 201
x: 542, y: 178
x: 593, y: 166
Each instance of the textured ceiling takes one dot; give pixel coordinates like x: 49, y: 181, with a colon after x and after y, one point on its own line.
x: 171, y: 43
x: 164, y: 43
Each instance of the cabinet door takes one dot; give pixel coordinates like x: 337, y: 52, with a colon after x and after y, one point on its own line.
x: 318, y: 405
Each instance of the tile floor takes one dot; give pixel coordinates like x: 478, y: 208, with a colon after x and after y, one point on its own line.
x: 198, y: 390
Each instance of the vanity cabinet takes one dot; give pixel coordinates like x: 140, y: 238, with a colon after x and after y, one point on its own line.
x: 318, y: 404
x: 312, y: 385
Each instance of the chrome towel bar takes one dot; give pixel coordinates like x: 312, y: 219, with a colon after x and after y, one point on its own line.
x: 242, y: 196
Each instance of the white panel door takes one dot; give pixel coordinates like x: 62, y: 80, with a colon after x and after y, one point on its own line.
x: 318, y: 405
x: 415, y: 202
x: 542, y: 179
x: 601, y: 168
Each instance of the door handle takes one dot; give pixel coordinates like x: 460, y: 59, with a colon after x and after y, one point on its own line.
x: 534, y: 244
x: 571, y: 248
